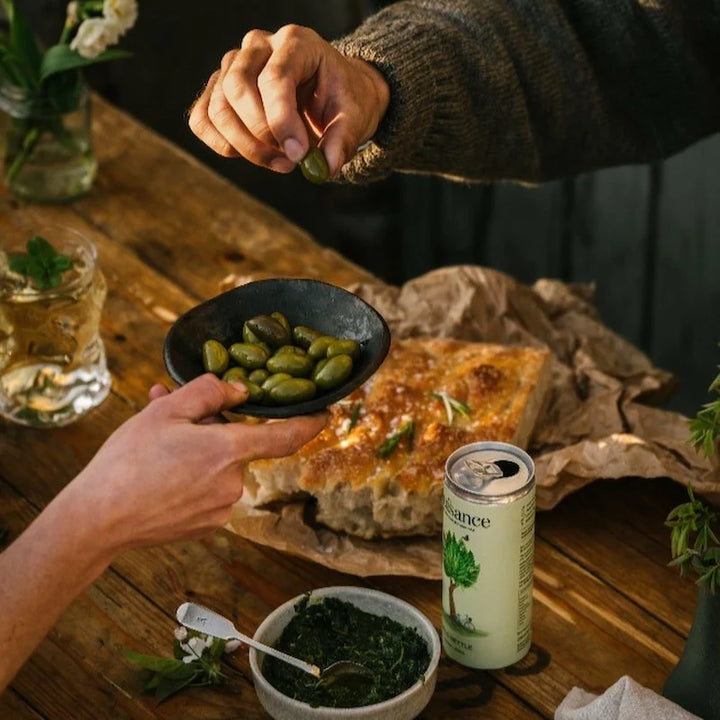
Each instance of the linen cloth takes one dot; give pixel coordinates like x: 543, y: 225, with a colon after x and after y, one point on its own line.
x: 625, y: 700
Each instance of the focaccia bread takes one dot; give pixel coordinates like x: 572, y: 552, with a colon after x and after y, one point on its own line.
x: 370, y: 475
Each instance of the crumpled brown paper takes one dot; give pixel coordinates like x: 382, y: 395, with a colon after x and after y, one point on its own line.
x: 596, y: 422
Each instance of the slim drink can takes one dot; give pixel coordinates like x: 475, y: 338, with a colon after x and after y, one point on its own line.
x: 488, y: 549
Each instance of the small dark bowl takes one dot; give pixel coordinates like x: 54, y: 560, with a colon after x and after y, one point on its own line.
x: 323, y: 307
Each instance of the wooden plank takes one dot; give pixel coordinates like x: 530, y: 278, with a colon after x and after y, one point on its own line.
x: 443, y: 223
x: 686, y: 330
x: 525, y: 234
x: 609, y: 237
x: 635, y: 549
x: 13, y: 707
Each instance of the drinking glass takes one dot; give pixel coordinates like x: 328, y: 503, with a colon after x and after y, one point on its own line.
x: 52, y: 359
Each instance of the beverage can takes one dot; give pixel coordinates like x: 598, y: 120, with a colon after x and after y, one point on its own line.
x: 488, y: 550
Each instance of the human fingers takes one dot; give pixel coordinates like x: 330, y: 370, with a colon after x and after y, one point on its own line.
x: 157, y: 391
x: 297, y: 54
x: 203, y: 397
x: 239, y: 86
x: 230, y: 125
x: 202, y: 126
x: 274, y: 439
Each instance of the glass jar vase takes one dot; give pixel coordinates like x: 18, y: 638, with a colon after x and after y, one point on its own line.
x: 48, y: 153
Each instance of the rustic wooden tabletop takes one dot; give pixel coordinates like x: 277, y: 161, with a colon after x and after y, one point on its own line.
x: 170, y: 233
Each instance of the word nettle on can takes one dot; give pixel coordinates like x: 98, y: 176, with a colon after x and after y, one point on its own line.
x: 488, y: 548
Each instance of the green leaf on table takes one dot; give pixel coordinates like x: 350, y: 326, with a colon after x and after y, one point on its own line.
x: 61, y: 58
x: 154, y: 663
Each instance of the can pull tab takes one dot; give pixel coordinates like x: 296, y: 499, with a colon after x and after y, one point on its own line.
x: 485, y: 471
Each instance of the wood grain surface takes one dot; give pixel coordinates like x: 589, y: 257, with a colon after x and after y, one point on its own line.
x: 171, y: 233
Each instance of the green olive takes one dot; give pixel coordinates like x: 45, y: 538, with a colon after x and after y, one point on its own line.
x: 314, y: 166
x: 273, y: 380
x: 259, y: 376
x: 235, y: 374
x: 282, y: 320
x: 251, y: 357
x: 292, y: 391
x: 249, y: 336
x: 345, y: 346
x: 215, y: 357
x: 256, y: 393
x: 319, y: 347
x: 270, y: 330
x: 290, y: 349
x: 303, y: 336
x: 289, y: 362
x: 318, y: 367
x: 334, y: 372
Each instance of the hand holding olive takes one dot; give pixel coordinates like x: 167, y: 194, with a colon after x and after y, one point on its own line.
x: 257, y: 104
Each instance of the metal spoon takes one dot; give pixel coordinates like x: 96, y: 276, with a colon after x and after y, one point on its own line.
x: 204, y: 620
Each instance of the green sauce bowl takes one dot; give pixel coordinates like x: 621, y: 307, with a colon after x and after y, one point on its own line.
x: 406, y: 705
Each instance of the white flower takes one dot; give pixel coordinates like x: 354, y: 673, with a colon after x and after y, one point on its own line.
x: 94, y: 36
x: 188, y: 659
x: 197, y: 645
x: 181, y: 633
x: 123, y: 12
x: 232, y: 645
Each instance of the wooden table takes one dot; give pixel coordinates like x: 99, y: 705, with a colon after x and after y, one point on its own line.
x: 169, y: 233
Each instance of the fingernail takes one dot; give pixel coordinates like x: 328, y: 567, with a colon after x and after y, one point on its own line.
x: 282, y: 165
x: 294, y: 150
x: 242, y: 388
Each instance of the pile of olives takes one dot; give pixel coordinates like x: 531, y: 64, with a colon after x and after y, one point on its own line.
x: 280, y: 364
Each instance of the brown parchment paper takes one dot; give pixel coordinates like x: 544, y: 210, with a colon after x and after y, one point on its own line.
x: 597, y: 421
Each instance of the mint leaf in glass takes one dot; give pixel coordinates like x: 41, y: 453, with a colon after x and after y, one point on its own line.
x: 42, y: 264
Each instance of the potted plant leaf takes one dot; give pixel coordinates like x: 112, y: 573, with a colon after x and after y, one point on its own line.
x: 695, y: 682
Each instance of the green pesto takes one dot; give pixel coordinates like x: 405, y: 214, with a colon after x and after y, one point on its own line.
x: 330, y: 630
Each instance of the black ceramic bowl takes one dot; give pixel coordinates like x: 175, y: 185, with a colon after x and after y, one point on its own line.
x: 323, y: 307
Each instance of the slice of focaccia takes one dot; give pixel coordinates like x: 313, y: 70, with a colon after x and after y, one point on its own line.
x: 377, y: 469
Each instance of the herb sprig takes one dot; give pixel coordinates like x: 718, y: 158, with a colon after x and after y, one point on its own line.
x: 41, y: 263
x: 354, y: 416
x: 693, y: 543
x: 196, y: 661
x: 391, y: 443
x: 705, y: 426
x: 452, y: 405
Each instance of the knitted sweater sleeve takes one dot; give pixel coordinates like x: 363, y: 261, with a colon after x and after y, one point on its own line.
x: 532, y: 90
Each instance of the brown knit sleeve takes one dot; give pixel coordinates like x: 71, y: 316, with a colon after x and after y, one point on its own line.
x: 529, y: 91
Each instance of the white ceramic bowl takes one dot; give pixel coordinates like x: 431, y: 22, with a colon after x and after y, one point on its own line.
x: 405, y: 706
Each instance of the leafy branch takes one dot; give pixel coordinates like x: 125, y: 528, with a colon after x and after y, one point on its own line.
x: 705, y: 426
x: 694, y: 544
x: 196, y: 661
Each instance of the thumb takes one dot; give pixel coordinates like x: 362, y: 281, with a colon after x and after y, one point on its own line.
x: 339, y: 142
x: 204, y: 397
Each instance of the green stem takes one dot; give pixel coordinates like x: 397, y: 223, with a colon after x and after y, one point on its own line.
x: 28, y: 146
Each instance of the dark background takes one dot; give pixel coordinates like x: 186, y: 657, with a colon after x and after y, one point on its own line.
x: 647, y: 236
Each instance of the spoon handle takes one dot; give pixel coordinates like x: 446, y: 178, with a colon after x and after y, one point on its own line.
x: 204, y: 620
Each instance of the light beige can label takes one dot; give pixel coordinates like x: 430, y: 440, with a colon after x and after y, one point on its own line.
x: 488, y: 551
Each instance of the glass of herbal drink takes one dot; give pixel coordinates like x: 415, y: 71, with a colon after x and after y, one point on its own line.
x: 52, y: 359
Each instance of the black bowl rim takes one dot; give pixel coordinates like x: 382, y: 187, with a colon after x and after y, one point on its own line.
x: 319, y: 402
